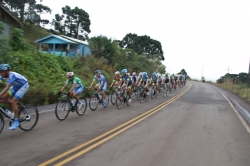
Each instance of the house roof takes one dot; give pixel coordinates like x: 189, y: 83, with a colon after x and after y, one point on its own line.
x: 75, y: 40
x: 7, y: 11
x: 42, y: 40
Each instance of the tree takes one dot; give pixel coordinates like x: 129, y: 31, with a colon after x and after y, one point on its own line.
x: 75, y: 20
x: 143, y: 45
x: 32, y: 12
x: 101, y: 46
x: 19, y: 6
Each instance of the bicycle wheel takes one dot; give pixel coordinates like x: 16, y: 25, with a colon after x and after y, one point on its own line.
x: 82, y: 107
x: 28, y: 117
x: 141, y: 96
x: 113, y: 98
x: 146, y: 96
x: 62, y: 109
x: 120, y: 100
x: 164, y: 92
x: 153, y: 93
x: 93, y: 102
x: 1, y: 122
x: 127, y: 102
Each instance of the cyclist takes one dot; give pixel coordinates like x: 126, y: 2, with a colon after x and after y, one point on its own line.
x: 166, y: 81
x: 75, y: 90
x: 127, y: 82
x: 145, y: 81
x: 102, y: 85
x: 139, y: 78
x: 116, y: 79
x: 181, y: 79
x: 154, y: 80
x: 134, y: 79
x: 17, y: 85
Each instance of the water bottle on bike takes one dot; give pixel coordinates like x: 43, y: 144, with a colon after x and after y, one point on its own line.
x: 9, y: 113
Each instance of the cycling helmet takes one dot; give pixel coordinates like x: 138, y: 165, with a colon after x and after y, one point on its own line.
x: 124, y: 71
x: 128, y: 74
x: 4, y: 67
x: 134, y: 73
x: 163, y: 75
x: 154, y: 74
x: 97, y: 72
x: 117, y: 73
x: 140, y: 74
x: 144, y: 74
x: 70, y: 74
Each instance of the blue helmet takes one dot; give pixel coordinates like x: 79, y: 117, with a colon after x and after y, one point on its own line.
x: 144, y: 74
x: 4, y: 67
x: 154, y: 74
x: 97, y: 72
x: 124, y: 71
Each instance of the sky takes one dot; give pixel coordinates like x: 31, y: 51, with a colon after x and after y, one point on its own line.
x: 204, y: 37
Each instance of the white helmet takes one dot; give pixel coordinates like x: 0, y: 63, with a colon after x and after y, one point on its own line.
x: 117, y: 72
x: 70, y: 74
x: 134, y: 73
x: 140, y: 74
x: 128, y: 74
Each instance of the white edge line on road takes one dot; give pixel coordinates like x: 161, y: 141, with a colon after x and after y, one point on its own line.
x: 237, y: 113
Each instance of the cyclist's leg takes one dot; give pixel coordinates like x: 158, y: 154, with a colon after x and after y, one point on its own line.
x: 104, y: 87
x: 77, y: 91
x: 18, y: 95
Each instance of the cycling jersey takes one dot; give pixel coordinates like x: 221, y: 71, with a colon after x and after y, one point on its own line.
x: 126, y: 78
x: 117, y: 78
x: 160, y: 79
x: 154, y: 79
x: 134, y: 78
x: 19, y: 84
x: 76, y: 81
x: 145, y: 80
x: 100, y: 79
x: 15, y: 79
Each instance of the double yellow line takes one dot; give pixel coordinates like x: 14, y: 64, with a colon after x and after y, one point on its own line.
x: 110, y: 134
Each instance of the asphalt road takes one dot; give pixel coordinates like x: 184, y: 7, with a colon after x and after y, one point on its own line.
x: 190, y: 127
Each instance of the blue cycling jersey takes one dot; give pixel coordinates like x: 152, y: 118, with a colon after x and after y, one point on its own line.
x: 154, y: 78
x: 15, y: 79
x: 100, y: 79
x: 145, y: 79
x: 126, y: 78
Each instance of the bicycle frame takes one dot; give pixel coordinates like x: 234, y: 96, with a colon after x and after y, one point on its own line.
x: 2, y: 110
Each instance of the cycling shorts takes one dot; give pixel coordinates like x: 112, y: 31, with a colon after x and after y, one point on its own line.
x: 19, y: 93
x: 78, y: 90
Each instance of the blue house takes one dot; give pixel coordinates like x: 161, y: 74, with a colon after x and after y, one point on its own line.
x: 64, y: 45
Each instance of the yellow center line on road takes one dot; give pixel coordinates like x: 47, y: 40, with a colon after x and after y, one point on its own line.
x: 136, y: 119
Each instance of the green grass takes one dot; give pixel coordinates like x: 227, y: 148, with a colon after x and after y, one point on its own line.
x: 239, y: 89
x: 33, y: 33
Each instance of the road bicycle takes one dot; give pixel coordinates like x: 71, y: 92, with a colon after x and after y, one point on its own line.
x: 113, y: 97
x: 122, y: 97
x: 164, y: 90
x: 66, y: 104
x: 142, y: 94
x: 153, y: 91
x: 96, y: 99
x: 28, y: 116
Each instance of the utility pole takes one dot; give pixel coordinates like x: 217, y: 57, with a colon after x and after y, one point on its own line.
x: 228, y: 69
